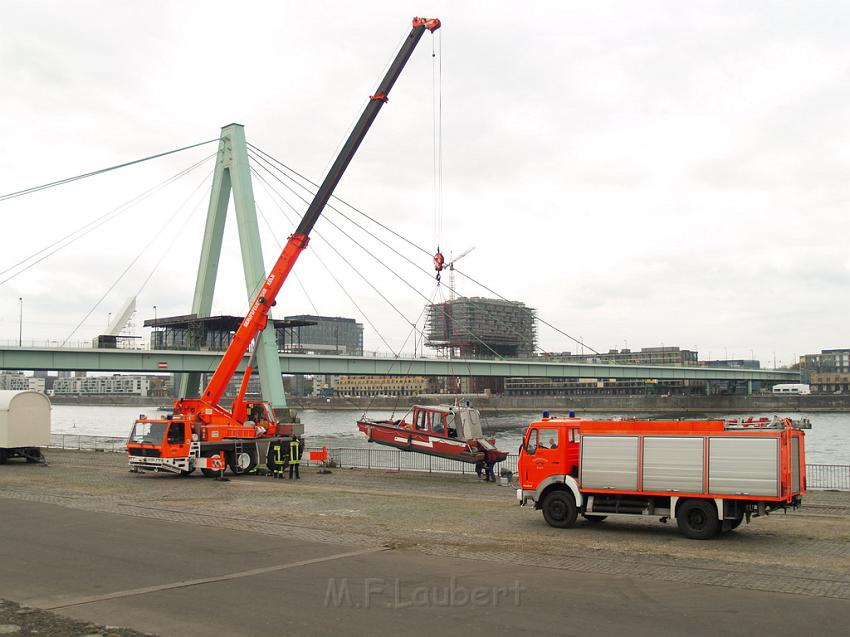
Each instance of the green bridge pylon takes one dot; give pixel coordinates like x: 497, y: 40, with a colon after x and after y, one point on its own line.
x: 232, y: 174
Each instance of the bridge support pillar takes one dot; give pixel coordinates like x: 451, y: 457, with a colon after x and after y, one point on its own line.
x: 232, y: 174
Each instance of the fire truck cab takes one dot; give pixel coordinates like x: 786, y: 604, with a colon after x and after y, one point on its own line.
x: 708, y: 475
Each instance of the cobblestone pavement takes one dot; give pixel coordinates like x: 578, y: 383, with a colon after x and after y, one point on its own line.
x: 23, y: 621
x: 804, y: 552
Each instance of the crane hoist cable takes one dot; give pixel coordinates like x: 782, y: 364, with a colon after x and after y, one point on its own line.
x: 437, y: 141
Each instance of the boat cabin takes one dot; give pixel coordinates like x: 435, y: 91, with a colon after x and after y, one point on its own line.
x: 463, y: 423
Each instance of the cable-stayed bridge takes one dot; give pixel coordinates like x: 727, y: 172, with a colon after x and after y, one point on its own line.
x: 237, y: 163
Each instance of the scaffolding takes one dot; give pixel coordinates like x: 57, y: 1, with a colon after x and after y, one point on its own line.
x: 477, y: 327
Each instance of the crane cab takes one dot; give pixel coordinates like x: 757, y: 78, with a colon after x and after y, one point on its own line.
x: 160, y: 444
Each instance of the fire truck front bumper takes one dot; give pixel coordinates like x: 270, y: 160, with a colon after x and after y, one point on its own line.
x: 524, y: 495
x: 156, y: 465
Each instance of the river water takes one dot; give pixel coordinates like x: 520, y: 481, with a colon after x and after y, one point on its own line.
x: 828, y: 442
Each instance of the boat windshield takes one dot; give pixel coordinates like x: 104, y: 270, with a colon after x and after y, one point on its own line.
x: 150, y: 433
x: 471, y: 422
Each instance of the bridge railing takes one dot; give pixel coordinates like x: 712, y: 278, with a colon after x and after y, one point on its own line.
x: 818, y: 476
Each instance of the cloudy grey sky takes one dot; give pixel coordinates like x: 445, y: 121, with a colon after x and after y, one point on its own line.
x: 656, y: 172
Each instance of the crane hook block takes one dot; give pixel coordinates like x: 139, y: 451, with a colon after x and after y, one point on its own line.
x: 432, y: 24
x: 439, y: 262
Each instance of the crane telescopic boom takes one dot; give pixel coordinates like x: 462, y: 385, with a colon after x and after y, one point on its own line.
x: 257, y: 317
x: 201, y: 433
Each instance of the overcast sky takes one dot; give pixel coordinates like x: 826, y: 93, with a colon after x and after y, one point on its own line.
x: 644, y: 173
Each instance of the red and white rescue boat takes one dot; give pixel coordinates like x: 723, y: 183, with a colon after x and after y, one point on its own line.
x: 446, y: 431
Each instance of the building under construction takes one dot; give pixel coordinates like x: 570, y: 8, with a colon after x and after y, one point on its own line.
x: 475, y: 327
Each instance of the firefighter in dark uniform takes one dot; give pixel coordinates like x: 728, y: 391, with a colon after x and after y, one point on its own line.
x: 294, y: 458
x: 276, y: 459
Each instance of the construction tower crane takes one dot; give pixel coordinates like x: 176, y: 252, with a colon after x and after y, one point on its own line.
x: 451, y: 267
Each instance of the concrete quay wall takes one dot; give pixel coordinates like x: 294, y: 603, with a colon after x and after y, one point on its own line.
x: 602, y: 404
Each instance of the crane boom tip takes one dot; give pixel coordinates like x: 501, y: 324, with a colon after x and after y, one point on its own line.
x: 432, y: 24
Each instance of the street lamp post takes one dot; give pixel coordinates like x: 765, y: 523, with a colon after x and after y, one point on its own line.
x: 21, y: 322
x: 154, y: 324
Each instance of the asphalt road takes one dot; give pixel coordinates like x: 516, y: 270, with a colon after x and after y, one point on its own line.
x: 179, y: 579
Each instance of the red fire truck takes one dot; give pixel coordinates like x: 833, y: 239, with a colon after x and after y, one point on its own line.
x: 709, y: 475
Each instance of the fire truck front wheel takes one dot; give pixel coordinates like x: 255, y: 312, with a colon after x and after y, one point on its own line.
x: 559, y: 509
x: 697, y: 519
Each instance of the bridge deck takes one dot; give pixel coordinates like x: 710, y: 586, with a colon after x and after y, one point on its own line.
x: 118, y: 360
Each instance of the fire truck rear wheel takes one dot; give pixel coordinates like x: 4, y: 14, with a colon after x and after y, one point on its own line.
x: 697, y: 519
x: 731, y: 525
x: 559, y: 509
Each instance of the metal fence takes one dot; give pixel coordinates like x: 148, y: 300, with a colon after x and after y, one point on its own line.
x: 818, y: 476
x: 396, y: 460
x: 828, y: 476
x: 88, y: 443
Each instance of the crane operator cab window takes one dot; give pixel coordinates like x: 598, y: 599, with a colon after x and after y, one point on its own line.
x: 176, y: 433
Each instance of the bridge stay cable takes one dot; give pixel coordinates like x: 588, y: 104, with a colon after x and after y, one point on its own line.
x: 177, y: 235
x: 332, y: 275
x: 167, y: 222
x: 284, y: 168
x: 372, y: 255
x: 351, y: 266
x: 400, y: 254
x: 96, y: 223
x: 280, y: 247
x: 67, y: 180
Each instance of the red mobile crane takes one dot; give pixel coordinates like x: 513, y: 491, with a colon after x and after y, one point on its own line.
x: 203, y: 434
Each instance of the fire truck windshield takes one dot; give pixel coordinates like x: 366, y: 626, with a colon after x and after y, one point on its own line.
x: 148, y: 433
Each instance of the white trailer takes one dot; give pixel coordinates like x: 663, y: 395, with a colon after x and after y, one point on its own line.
x: 24, y: 425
